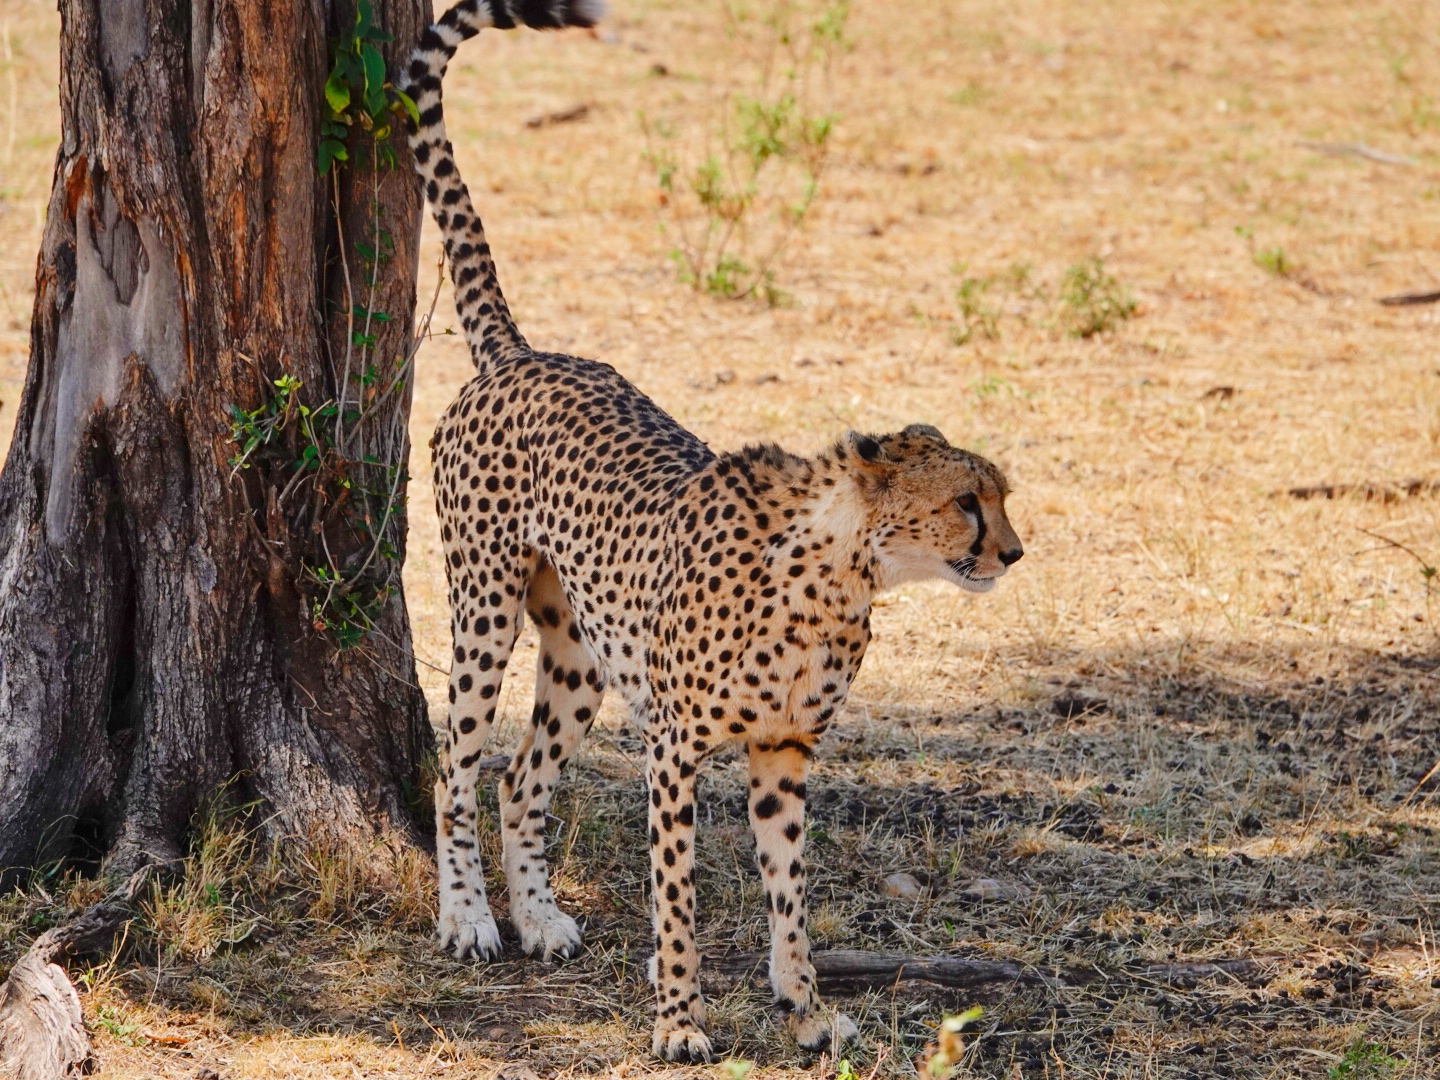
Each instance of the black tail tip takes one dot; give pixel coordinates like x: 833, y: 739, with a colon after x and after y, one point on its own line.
x: 553, y: 14
x: 585, y: 12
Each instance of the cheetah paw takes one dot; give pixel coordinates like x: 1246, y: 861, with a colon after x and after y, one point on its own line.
x: 822, y: 1030
x: 469, y: 934
x: 549, y: 931
x: 683, y: 1044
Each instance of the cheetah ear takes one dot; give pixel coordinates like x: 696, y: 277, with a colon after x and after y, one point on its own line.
x: 926, y: 431
x: 866, y: 448
x: 876, y: 472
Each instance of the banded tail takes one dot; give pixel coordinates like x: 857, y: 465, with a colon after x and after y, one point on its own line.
x: 489, y: 328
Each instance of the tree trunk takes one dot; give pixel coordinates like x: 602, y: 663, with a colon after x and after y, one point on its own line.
x: 159, y: 606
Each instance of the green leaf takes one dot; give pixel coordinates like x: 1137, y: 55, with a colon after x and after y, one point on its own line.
x: 337, y: 91
x: 364, y: 17
x: 410, y: 106
x: 374, y: 69
x: 331, y: 151
x: 349, y: 63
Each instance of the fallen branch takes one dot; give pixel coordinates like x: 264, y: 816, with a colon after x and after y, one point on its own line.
x: 1411, y: 298
x: 562, y: 116
x: 42, y: 1032
x: 847, y: 969
x: 1368, y: 491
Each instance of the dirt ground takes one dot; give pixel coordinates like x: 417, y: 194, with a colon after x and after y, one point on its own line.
x: 1199, y: 721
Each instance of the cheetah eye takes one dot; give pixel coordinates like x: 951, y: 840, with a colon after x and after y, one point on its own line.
x: 969, y: 503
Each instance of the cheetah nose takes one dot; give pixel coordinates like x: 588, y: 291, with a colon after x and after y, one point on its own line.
x: 1011, y: 556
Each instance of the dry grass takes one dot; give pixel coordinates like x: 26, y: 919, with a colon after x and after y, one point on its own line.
x: 1264, y: 674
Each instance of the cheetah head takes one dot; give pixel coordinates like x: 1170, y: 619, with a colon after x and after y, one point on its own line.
x: 935, y: 510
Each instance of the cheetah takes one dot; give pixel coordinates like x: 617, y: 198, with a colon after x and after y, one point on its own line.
x: 725, y: 595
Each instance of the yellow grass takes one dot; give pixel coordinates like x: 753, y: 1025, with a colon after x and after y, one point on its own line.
x: 1167, y: 572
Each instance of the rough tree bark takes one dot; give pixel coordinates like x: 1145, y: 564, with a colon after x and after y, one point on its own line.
x: 156, y: 640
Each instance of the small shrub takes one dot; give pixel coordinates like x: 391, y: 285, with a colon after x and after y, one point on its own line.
x: 1365, y: 1061
x: 1092, y: 301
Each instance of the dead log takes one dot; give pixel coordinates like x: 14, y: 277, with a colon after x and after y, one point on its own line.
x: 42, y: 1031
x: 42, y: 1034
x: 849, y: 970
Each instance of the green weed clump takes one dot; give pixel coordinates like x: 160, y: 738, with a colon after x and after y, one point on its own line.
x: 1274, y: 261
x: 732, y: 208
x: 1092, y: 301
x: 976, y: 316
x: 1088, y: 301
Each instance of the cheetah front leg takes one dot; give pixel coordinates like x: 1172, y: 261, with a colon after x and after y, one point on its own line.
x: 680, y: 1010
x: 777, y: 814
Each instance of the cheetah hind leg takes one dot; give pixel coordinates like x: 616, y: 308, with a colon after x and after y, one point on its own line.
x: 568, y: 689
x: 484, y: 637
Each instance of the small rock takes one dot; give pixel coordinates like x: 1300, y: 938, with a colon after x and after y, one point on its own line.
x: 516, y: 1070
x: 989, y: 889
x: 905, y: 886
x: 207, y: 1074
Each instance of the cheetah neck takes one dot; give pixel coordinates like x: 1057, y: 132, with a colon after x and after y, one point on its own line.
x: 833, y: 522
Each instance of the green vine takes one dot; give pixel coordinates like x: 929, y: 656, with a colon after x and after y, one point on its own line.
x: 332, y: 473
x: 356, y: 91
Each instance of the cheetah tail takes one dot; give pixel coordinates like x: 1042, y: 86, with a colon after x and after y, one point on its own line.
x: 489, y: 328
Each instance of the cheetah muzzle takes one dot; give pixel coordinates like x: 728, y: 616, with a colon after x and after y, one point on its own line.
x: 726, y: 596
